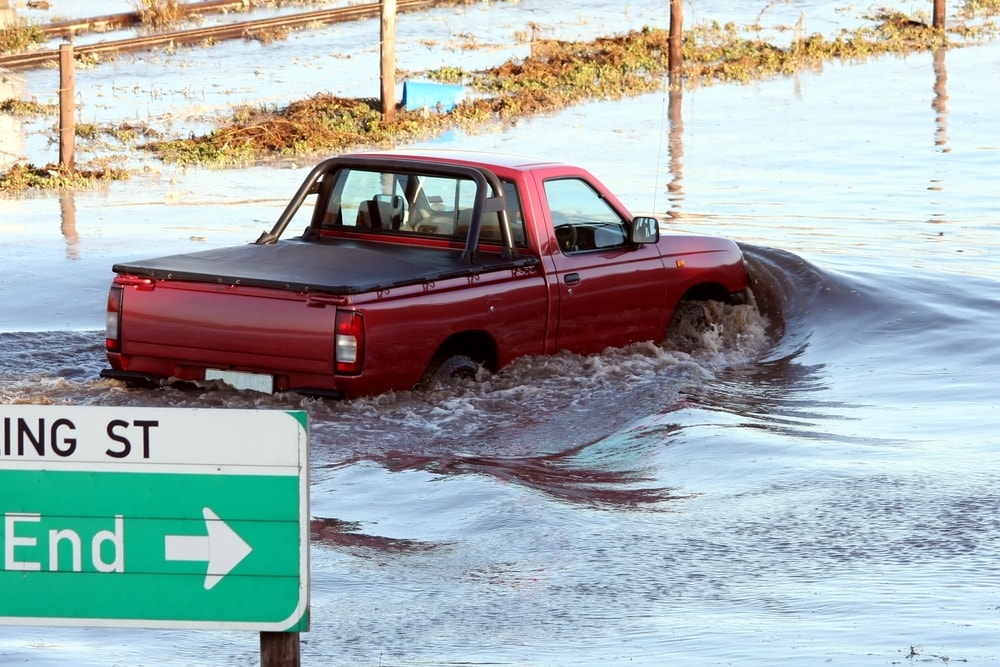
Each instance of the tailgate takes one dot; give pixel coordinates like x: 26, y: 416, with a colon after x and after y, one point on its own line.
x: 229, y: 327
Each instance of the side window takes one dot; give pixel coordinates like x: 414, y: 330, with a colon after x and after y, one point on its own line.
x: 352, y: 197
x: 582, y: 220
x: 444, y: 205
x: 514, y: 215
x: 490, y: 230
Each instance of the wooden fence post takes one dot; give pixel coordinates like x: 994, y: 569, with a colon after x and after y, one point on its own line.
x: 388, y: 59
x: 67, y: 117
x: 674, y: 55
x: 939, y: 14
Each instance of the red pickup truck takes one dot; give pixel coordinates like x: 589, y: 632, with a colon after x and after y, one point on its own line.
x: 412, y: 265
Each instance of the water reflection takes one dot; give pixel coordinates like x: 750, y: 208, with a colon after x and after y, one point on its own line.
x: 11, y: 127
x: 11, y: 88
x: 940, y: 103
x: 583, y: 474
x: 781, y: 392
x: 675, y: 188
x: 67, y: 210
x: 940, y: 106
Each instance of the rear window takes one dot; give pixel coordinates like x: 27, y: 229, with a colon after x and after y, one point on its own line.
x: 410, y: 204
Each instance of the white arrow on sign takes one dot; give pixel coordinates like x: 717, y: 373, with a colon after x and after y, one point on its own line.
x: 222, y: 548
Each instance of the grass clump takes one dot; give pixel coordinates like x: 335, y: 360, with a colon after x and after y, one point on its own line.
x: 56, y: 177
x: 159, y: 13
x: 123, y: 133
x: 26, y: 108
x: 980, y: 7
x: 447, y: 74
x: 321, y: 123
x: 21, y: 35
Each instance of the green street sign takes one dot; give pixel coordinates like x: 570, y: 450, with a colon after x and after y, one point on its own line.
x: 154, y: 517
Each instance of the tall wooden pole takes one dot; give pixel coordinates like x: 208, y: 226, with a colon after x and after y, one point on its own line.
x: 67, y: 117
x: 388, y: 60
x: 674, y: 55
x: 939, y: 14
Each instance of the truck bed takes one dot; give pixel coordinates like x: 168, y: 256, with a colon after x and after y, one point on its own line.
x: 335, y: 265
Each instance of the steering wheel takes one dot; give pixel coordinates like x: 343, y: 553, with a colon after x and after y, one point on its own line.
x: 566, y: 237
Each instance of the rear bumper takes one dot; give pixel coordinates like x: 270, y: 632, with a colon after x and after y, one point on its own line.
x: 139, y: 379
x: 132, y: 378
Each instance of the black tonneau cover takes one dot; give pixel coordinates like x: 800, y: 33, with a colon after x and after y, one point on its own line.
x: 339, y: 266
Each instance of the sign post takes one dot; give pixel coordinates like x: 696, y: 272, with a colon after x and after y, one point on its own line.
x: 154, y: 517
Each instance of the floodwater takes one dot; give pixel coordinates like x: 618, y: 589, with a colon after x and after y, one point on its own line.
x: 815, y: 481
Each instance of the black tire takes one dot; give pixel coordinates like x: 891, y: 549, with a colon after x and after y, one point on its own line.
x: 690, y: 321
x: 457, y: 367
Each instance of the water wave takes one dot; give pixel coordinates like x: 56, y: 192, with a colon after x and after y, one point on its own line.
x: 540, y: 421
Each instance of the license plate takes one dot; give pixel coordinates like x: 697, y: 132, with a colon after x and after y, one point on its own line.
x: 241, y: 380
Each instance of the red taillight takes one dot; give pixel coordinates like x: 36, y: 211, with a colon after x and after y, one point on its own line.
x: 136, y: 281
x: 349, y: 343
x: 113, y: 320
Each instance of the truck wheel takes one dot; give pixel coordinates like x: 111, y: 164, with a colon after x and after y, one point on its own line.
x: 458, y: 367
x: 690, y: 322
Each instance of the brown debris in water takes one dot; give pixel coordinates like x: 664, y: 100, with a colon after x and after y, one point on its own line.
x: 337, y: 532
x: 556, y: 475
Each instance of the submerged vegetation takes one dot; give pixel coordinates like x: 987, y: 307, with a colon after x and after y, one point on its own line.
x: 57, y: 177
x: 24, y: 108
x: 556, y: 75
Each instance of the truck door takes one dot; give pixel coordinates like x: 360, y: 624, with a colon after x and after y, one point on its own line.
x: 610, y: 292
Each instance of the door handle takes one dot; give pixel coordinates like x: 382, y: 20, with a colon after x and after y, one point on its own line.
x: 572, y: 279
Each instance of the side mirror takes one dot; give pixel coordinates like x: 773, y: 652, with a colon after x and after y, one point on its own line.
x: 645, y: 229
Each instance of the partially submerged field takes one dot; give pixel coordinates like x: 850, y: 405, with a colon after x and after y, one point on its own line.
x: 555, y: 74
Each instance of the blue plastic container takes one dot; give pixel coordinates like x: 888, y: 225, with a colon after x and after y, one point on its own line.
x: 430, y: 95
